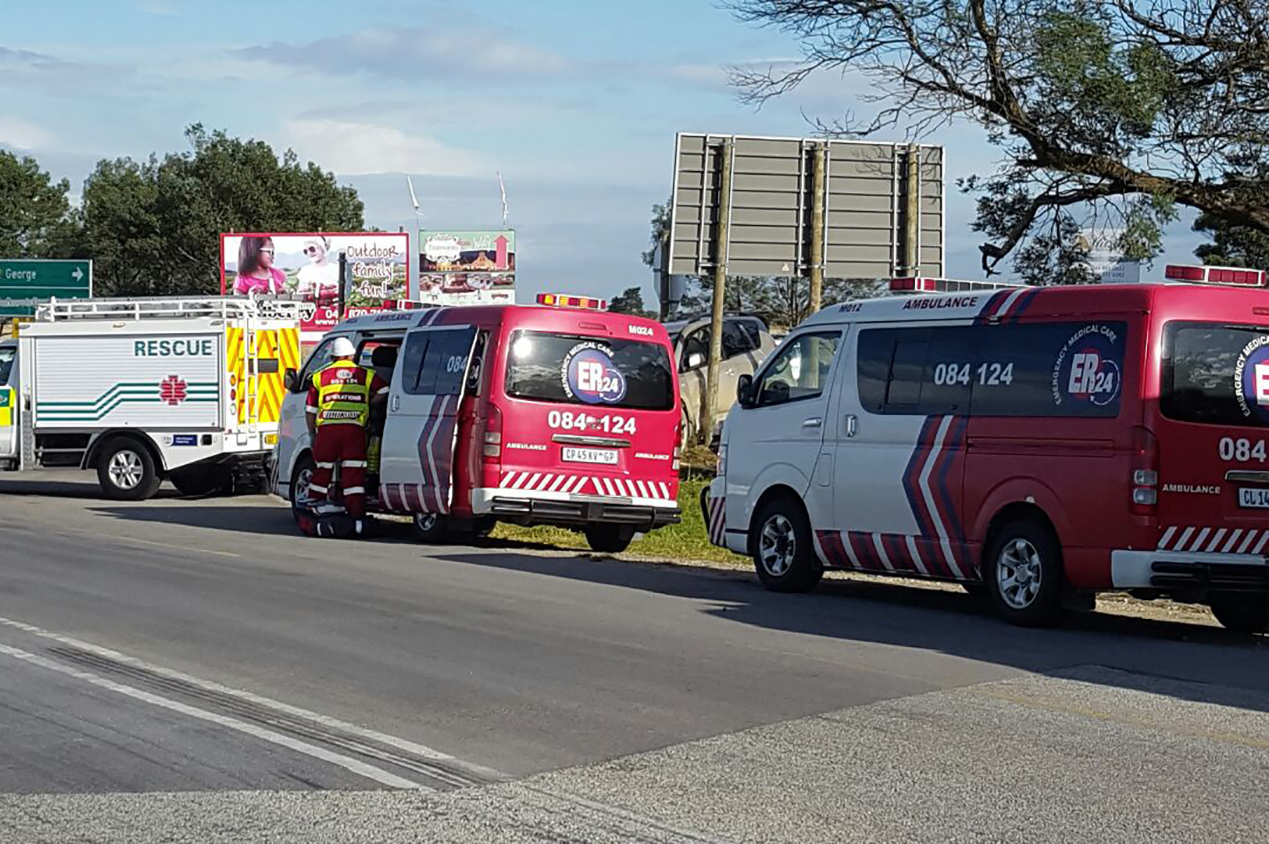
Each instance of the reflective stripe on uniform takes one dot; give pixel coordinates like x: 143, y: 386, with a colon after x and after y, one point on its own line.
x: 353, y: 464
x: 355, y: 490
x: 343, y: 394
x: 316, y: 488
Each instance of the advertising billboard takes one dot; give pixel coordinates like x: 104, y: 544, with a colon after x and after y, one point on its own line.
x: 305, y: 266
x: 467, y: 267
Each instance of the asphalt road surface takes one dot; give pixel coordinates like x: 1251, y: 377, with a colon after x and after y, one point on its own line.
x: 193, y: 670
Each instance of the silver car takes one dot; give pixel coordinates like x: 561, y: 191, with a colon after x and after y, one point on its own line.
x: 746, y: 343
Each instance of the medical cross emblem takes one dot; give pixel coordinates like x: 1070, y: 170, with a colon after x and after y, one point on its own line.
x: 172, y: 390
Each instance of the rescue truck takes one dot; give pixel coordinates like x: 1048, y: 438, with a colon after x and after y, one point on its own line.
x: 143, y: 390
x: 1037, y: 444
x: 559, y: 413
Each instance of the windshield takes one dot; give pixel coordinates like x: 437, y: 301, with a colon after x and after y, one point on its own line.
x: 7, y: 354
x: 589, y: 370
x: 1216, y: 374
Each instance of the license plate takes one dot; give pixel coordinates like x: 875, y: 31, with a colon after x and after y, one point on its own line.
x: 603, y: 456
x: 1254, y: 497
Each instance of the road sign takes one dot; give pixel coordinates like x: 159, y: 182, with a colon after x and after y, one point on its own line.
x: 41, y: 279
x: 870, y: 191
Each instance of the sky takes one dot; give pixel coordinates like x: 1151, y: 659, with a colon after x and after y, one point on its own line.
x: 575, y: 102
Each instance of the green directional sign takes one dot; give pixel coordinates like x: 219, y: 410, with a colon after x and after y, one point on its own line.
x: 22, y: 282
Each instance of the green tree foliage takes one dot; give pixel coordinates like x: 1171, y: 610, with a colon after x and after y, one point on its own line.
x: 153, y: 227
x: 36, y: 220
x: 630, y: 301
x: 1108, y: 113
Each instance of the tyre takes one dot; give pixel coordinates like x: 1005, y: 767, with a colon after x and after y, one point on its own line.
x: 126, y: 471
x: 430, y: 527
x: 1023, y: 573
x: 781, y: 546
x: 301, y: 477
x: 1241, y: 613
x: 201, y: 480
x: 609, y: 539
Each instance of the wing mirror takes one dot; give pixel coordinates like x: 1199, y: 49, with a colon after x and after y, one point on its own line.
x: 695, y: 360
x: 744, y: 390
x: 292, y: 381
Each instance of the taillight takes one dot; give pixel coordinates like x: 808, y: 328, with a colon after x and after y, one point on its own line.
x: 1145, y: 471
x: 678, y: 446
x: 492, y: 450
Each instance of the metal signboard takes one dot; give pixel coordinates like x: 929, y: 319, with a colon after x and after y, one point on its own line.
x: 883, y: 207
x: 25, y: 281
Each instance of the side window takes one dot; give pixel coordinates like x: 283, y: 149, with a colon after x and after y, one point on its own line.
x: 435, y: 362
x: 916, y: 370
x: 800, y: 369
x: 736, y: 340
x: 697, y: 343
x: 319, y: 358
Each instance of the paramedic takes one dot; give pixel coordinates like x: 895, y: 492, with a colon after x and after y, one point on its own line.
x: 339, y: 400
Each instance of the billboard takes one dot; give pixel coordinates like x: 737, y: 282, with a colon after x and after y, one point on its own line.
x: 467, y: 267
x: 305, y: 266
x: 868, y: 191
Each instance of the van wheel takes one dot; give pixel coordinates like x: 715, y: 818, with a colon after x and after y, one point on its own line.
x: 609, y: 539
x: 1023, y: 572
x: 1241, y: 613
x: 430, y: 527
x: 126, y: 470
x: 782, y: 552
x: 301, y: 478
x: 201, y: 480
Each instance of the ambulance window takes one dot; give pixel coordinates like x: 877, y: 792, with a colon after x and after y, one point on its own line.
x: 916, y: 371
x: 1059, y: 369
x: 319, y: 358
x: 799, y: 371
x: 7, y: 354
x: 435, y: 362
x: 1201, y: 365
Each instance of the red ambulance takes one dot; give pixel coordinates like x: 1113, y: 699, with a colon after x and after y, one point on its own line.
x: 559, y: 413
x: 1040, y: 444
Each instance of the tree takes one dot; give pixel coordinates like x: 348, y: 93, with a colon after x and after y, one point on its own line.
x: 1108, y: 112
x: 36, y: 220
x: 154, y: 226
x: 630, y: 301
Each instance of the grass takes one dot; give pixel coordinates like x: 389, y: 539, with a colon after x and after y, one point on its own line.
x: 684, y: 541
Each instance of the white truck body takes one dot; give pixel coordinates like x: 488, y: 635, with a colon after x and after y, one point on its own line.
x: 193, y: 381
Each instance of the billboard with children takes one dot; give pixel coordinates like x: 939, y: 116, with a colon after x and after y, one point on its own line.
x: 306, y: 266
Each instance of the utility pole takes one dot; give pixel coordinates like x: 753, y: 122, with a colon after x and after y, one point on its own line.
x: 343, y: 285
x: 912, y: 213
x: 819, y: 178
x: 722, y: 230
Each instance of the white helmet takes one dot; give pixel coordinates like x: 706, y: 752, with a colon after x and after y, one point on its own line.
x: 342, y: 348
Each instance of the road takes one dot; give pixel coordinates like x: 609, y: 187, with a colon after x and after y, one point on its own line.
x: 181, y: 670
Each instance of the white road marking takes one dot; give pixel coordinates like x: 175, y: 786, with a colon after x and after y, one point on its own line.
x: 185, y: 549
x: 420, y: 750
x: 346, y: 762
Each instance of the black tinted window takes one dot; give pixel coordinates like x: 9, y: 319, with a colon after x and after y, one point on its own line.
x: 1052, y: 369
x: 435, y: 362
x: 1216, y: 374
x: 7, y: 356
x: 736, y: 341
x: 601, y: 371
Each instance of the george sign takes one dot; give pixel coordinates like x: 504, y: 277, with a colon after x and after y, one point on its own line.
x: 40, y: 279
x: 1105, y: 260
x: 866, y: 205
x: 305, y: 266
x: 467, y: 267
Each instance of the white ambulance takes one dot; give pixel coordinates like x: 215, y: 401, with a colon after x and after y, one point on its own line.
x: 143, y: 390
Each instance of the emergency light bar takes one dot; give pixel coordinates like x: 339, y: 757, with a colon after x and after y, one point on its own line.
x: 946, y: 285
x: 557, y: 300
x: 1202, y: 274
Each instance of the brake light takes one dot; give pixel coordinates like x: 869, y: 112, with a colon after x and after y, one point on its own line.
x: 678, y: 446
x: 1145, y: 471
x: 492, y: 449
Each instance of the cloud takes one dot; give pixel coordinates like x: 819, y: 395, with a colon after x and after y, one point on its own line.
x: 462, y: 47
x: 24, y: 69
x: 23, y: 135
x: 350, y: 148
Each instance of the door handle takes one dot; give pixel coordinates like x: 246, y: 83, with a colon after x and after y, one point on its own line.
x: 813, y: 422
x: 852, y: 424
x: 395, y: 404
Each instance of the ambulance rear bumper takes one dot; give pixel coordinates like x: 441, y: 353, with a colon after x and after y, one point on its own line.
x: 574, y: 509
x: 1187, y: 571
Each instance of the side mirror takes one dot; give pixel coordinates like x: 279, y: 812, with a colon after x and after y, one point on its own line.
x: 695, y: 360
x: 744, y: 390
x: 292, y: 381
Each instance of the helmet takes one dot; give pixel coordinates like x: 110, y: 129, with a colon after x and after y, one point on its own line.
x: 342, y: 348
